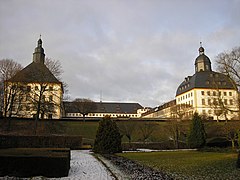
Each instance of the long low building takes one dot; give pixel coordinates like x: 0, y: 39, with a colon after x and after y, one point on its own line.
x: 113, y: 109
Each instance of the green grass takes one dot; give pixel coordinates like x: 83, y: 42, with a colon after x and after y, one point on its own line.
x: 190, y: 164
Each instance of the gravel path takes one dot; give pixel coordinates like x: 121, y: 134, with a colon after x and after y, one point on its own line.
x: 136, y: 171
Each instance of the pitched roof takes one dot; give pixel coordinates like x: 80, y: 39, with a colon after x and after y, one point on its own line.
x: 35, y: 72
x: 207, y: 80
x: 108, y: 107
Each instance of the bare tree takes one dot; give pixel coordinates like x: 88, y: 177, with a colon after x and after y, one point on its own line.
x: 231, y: 131
x: 174, y: 130
x: 8, y: 68
x: 84, y: 106
x: 147, y: 128
x: 181, y: 111
x: 127, y: 129
x: 55, y: 67
x: 229, y: 64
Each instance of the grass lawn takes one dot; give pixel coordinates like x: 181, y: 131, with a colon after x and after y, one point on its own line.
x: 190, y: 164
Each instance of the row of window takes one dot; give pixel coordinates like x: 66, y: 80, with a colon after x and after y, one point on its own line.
x: 28, y: 88
x: 216, y: 93
x: 101, y: 115
x: 216, y: 101
x: 184, y: 87
x: 215, y: 112
x: 29, y: 108
x: 185, y: 97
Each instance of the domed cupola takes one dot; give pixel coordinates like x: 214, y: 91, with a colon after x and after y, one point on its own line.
x: 202, y: 62
x: 38, y: 55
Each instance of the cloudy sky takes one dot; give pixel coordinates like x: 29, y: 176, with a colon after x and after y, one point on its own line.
x: 126, y: 50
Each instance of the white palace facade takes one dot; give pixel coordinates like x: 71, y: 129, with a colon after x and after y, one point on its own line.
x: 207, y: 92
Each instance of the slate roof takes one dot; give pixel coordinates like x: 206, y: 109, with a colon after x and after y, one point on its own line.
x: 108, y: 107
x: 206, y: 80
x: 35, y: 73
x: 202, y: 58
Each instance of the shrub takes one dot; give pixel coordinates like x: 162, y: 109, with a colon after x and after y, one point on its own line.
x: 108, y: 138
x: 221, y: 142
x: 197, y: 134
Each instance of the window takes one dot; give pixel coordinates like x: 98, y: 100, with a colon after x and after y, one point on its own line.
x: 36, y: 88
x: 203, y: 101
x: 225, y: 101
x: 224, y: 93
x: 208, y: 93
x: 202, y: 93
x: 50, y: 98
x: 27, y: 108
x: 230, y: 93
x: 209, y: 102
x: 28, y: 88
x: 214, y: 93
x: 50, y: 88
x: 231, y: 102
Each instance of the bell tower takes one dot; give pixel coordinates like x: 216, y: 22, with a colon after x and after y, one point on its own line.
x: 202, y: 62
x: 38, y: 55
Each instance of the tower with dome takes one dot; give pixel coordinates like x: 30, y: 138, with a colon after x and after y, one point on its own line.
x: 208, y: 92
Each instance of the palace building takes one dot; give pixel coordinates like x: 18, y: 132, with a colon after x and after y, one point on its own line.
x: 34, y: 90
x: 207, y: 92
x: 112, y: 109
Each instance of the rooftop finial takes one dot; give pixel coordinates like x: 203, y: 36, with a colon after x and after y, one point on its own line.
x: 40, y: 36
x: 201, y: 49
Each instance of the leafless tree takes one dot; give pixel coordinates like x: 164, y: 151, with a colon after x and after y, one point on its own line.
x: 84, y: 106
x: 55, y: 67
x: 127, y: 129
x: 229, y: 64
x: 231, y: 131
x: 8, y: 68
x: 57, y: 70
x: 181, y: 111
x: 146, y: 129
x: 174, y: 130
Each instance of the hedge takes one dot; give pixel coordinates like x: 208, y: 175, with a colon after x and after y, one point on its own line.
x: 152, y: 145
x: 29, y: 162
x: 39, y: 141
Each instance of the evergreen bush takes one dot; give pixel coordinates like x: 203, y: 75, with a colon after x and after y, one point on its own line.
x: 197, y: 134
x: 108, y: 138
